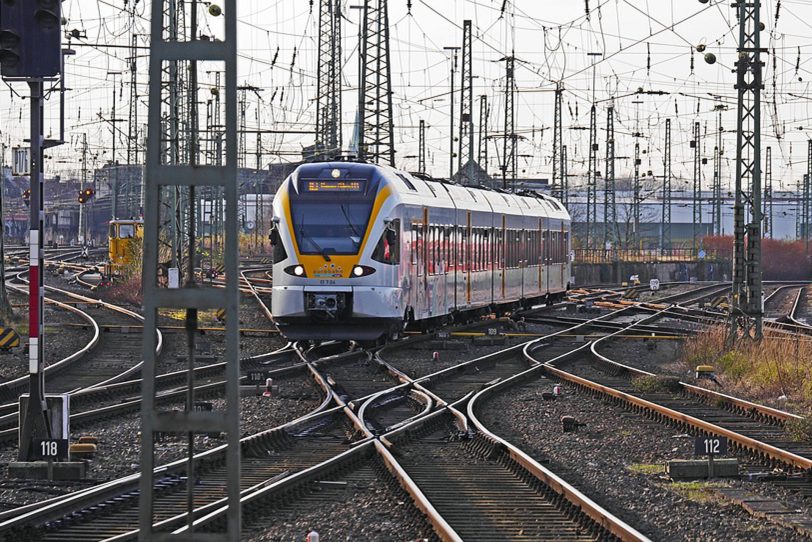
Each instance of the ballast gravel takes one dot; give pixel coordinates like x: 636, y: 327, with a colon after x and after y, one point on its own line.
x: 119, y: 441
x: 364, y: 504
x: 615, y: 459
x: 417, y: 359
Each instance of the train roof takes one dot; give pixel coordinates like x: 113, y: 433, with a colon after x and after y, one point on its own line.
x: 414, y: 189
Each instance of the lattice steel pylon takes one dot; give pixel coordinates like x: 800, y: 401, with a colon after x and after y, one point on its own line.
x: 557, y: 190
x: 768, y: 193
x: 376, y: 137
x: 665, y: 226
x: 636, y: 194
x: 189, y: 294
x: 591, y: 179
x: 328, y: 81
x: 717, y: 179
x: 509, y: 157
x: 806, y: 200
x: 747, y: 307
x: 421, y: 148
x: 565, y: 197
x: 697, y: 207
x: 609, y: 201
x: 484, y: 112
x: 465, y: 154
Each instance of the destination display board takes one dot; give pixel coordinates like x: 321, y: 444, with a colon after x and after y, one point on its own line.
x: 333, y: 186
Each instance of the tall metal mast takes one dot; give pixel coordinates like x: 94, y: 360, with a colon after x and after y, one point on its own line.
x: 806, y: 201
x: 768, y: 194
x: 665, y: 228
x: 558, y: 182
x: 328, y: 81
x: 717, y: 178
x: 484, y: 111
x: 465, y: 155
x: 747, y: 306
x: 510, y: 160
x: 697, y: 185
x: 609, y: 207
x: 636, y: 194
x: 421, y: 148
x: 132, y: 124
x: 565, y: 178
x: 376, y: 138
x: 188, y: 294
x: 591, y: 183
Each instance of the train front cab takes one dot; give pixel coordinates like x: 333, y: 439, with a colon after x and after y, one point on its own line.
x: 336, y: 254
x: 124, y: 238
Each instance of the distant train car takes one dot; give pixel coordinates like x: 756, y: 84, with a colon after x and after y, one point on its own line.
x: 361, y: 250
x: 124, y: 242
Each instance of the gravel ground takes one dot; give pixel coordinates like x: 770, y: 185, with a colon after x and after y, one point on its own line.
x: 119, y: 439
x: 60, y: 342
x: 780, y: 304
x: 664, y: 359
x: 210, y: 344
x: 614, y: 460
x: 371, y: 506
x: 416, y: 360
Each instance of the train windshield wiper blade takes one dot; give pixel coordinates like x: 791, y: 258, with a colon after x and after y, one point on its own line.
x: 352, y: 227
x: 322, y: 251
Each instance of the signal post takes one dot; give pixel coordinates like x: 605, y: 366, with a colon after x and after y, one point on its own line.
x: 30, y: 51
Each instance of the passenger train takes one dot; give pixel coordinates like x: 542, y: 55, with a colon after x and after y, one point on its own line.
x: 363, y: 251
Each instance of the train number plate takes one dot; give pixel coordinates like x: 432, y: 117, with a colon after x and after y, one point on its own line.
x: 51, y: 449
x: 258, y: 377
x: 710, y: 446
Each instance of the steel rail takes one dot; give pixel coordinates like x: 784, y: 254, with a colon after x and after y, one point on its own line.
x: 596, y: 512
x: 747, y: 443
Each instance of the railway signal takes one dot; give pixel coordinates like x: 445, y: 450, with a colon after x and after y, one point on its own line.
x: 27, y: 196
x: 30, y: 39
x: 86, y: 195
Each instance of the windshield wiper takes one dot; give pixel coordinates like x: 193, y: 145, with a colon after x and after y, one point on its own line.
x: 351, y: 225
x: 322, y: 251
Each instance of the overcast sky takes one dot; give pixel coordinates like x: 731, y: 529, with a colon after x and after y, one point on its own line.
x: 645, y: 44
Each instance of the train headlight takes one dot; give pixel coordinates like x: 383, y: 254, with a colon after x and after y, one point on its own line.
x: 362, y: 270
x: 296, y: 271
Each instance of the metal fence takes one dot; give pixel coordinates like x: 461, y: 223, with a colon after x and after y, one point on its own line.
x: 648, y: 255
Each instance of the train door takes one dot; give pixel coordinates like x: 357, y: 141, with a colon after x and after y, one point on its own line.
x: 539, y: 256
x: 467, y: 264
x: 522, y: 259
x: 424, y: 296
x: 546, y: 258
x: 502, y: 270
x: 491, y: 263
x: 563, y: 256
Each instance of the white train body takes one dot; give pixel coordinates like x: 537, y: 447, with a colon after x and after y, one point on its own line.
x: 361, y: 250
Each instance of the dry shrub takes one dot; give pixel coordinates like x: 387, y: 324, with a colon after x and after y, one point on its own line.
x: 126, y: 287
x: 656, y: 384
x: 782, y: 260
x: 763, y: 371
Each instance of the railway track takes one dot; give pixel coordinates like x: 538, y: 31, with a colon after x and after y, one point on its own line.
x: 110, y: 357
x: 752, y: 429
x: 256, y: 444
x: 426, y: 432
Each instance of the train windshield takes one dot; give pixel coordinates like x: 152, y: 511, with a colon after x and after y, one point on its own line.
x: 329, y: 220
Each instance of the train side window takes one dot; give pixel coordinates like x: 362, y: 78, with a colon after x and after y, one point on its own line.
x: 419, y: 249
x: 279, y: 252
x: 126, y: 231
x: 464, y: 249
x: 112, y: 233
x: 388, y: 248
